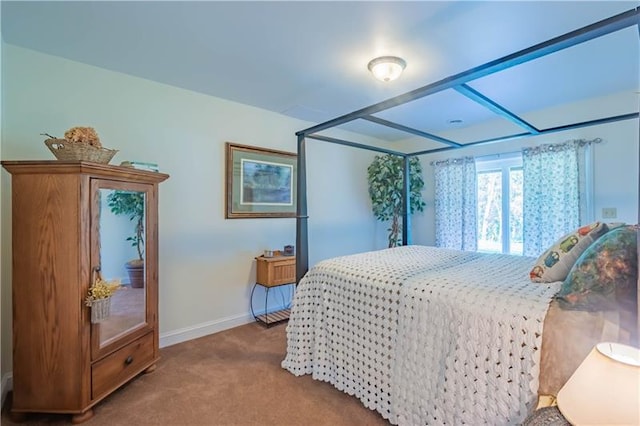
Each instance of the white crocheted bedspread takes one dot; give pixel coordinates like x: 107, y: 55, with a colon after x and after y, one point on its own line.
x: 423, y: 335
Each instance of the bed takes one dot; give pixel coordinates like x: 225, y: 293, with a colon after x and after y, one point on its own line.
x: 425, y: 335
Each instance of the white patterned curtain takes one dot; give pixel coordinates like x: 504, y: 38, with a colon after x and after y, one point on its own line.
x: 455, y: 203
x: 554, y: 192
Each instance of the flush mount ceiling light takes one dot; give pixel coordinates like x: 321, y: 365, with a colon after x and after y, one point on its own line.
x: 387, y: 68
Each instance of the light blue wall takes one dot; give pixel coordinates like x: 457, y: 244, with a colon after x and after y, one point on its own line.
x: 207, y: 265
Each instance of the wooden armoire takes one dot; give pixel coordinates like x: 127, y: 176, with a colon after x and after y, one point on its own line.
x: 63, y: 233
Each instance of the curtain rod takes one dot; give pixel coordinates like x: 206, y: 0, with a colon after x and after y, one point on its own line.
x: 510, y: 154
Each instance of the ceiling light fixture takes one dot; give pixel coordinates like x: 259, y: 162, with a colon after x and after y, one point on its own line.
x: 387, y: 68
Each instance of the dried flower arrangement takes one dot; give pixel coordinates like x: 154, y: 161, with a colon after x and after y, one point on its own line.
x: 86, y: 135
x: 101, y: 289
x: 83, y: 135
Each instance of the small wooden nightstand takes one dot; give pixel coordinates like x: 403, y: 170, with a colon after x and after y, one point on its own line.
x: 273, y: 272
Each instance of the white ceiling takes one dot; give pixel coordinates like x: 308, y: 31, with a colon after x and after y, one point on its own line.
x: 308, y: 59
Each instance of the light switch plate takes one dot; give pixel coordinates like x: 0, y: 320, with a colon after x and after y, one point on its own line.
x: 609, y: 213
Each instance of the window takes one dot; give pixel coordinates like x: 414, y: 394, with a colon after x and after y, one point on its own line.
x: 499, y: 203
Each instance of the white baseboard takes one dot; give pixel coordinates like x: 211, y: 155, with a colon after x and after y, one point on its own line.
x: 210, y: 327
x: 7, y: 385
x: 203, y: 329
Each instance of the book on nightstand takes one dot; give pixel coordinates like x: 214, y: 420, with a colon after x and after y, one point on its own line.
x: 152, y: 167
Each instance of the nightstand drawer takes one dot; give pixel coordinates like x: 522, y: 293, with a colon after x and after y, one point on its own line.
x: 275, y: 271
x: 115, y: 369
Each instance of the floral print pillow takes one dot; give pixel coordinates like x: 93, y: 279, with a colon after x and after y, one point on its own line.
x: 606, y: 274
x: 555, y: 263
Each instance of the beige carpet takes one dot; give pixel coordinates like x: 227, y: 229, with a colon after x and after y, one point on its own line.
x: 228, y: 378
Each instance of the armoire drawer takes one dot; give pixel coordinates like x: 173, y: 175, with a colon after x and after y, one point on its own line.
x: 115, y: 369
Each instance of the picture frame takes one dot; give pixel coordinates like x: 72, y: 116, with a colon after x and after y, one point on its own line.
x: 260, y: 182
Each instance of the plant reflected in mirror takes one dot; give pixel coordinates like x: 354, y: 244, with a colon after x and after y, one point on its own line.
x: 130, y: 203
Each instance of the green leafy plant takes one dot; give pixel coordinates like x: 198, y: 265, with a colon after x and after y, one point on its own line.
x: 130, y: 203
x: 385, y: 189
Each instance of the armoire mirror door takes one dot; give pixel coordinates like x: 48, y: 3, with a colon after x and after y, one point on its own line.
x: 119, y: 231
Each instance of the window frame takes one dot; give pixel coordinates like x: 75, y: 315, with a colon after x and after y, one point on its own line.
x: 503, y: 163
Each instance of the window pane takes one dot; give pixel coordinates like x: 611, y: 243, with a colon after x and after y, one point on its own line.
x: 515, y: 210
x: 490, y: 211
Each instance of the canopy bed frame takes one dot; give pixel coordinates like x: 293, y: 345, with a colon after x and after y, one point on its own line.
x: 457, y: 82
x: 430, y: 335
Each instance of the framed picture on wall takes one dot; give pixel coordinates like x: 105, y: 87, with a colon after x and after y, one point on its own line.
x: 260, y: 183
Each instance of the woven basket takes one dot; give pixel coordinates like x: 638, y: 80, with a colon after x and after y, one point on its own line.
x: 100, y: 310
x: 65, y: 150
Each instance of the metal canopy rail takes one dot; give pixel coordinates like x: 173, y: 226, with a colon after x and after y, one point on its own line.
x: 456, y: 82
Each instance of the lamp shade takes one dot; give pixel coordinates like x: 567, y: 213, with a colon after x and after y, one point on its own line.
x: 605, y: 389
x: 387, y: 68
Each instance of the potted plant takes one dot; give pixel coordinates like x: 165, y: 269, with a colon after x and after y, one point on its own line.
x: 385, y: 189
x: 131, y: 203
